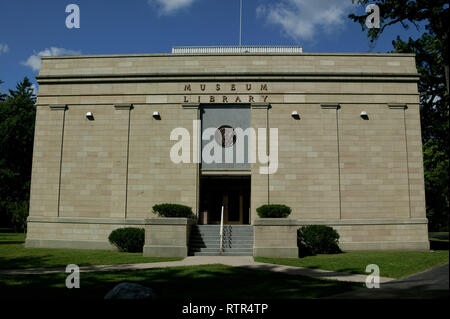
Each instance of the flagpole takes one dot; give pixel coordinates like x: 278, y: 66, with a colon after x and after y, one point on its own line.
x: 240, y: 24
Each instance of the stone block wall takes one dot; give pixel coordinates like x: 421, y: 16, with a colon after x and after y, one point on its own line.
x: 278, y: 237
x: 167, y: 237
x: 334, y: 166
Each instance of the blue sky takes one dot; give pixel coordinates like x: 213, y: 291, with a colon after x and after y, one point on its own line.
x: 29, y: 29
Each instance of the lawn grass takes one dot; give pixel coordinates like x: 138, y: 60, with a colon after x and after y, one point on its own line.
x: 393, y: 264
x: 197, y: 282
x: 13, y: 255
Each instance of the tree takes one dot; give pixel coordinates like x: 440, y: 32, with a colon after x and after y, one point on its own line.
x: 2, y: 95
x: 432, y: 55
x: 17, y: 115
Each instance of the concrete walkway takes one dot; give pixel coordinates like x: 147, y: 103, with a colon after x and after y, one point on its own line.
x: 234, y: 261
x: 430, y: 284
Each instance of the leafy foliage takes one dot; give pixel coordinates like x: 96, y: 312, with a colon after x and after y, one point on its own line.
x: 17, y: 115
x: 19, y: 214
x: 129, y: 239
x: 432, y: 56
x: 273, y: 211
x: 173, y: 210
x: 2, y: 95
x: 436, y: 185
x: 317, y: 239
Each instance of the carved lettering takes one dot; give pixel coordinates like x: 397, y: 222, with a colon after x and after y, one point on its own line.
x: 233, y: 87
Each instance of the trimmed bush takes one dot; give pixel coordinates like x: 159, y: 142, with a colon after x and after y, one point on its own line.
x: 317, y: 239
x: 273, y: 211
x: 128, y: 239
x: 173, y: 210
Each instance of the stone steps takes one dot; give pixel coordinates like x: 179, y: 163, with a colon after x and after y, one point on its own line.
x: 237, y: 240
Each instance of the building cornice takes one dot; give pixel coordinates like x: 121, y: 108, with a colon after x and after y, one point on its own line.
x: 229, y: 76
x: 138, y: 55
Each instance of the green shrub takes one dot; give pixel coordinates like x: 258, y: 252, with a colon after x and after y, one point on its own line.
x: 317, y: 239
x: 273, y: 211
x: 128, y: 239
x: 173, y: 210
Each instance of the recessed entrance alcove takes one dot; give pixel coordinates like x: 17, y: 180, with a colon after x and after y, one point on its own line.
x: 233, y: 192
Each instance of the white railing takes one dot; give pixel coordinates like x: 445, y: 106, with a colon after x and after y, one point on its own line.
x: 236, y: 49
x: 221, y: 233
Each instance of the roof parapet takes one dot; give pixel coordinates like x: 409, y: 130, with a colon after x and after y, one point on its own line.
x: 235, y: 49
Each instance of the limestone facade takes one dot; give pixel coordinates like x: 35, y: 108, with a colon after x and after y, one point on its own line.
x: 361, y: 175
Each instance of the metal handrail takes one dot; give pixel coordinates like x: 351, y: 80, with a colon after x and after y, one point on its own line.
x: 221, y: 233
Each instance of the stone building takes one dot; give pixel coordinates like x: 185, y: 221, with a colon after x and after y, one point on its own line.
x: 342, y: 134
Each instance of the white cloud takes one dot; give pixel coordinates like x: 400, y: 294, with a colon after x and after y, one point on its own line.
x: 34, y: 61
x: 34, y: 88
x: 167, y: 7
x: 3, y: 48
x: 303, y: 19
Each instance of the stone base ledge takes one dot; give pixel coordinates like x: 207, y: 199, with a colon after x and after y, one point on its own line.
x: 116, y: 221
x: 165, y: 251
x: 86, y: 220
x: 68, y: 244
x: 336, y: 222
x: 165, y: 236
x: 385, y: 245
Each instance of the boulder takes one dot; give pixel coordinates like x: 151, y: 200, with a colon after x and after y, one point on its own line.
x: 127, y: 290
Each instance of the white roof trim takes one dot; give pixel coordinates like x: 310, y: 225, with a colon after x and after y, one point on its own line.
x: 236, y: 49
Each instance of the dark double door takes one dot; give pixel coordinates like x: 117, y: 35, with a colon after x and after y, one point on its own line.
x: 231, y: 192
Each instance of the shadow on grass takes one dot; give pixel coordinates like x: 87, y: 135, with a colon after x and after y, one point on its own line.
x: 24, y: 262
x: 416, y: 292
x: 11, y: 242
x: 439, y: 244
x: 211, y: 282
x: 430, y: 284
x: 312, y: 271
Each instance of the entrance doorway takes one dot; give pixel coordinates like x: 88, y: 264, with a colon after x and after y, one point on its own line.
x: 233, y: 192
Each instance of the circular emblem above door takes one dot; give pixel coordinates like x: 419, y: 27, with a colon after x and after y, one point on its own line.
x: 225, y: 136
